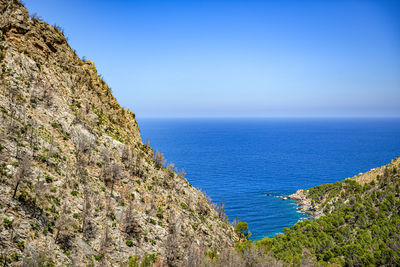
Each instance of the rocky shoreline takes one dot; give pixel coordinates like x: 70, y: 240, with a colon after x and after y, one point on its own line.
x: 305, y: 204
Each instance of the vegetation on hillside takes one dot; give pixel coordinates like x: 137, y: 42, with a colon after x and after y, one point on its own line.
x: 361, y: 227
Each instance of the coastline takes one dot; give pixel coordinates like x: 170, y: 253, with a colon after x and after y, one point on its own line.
x: 305, y: 204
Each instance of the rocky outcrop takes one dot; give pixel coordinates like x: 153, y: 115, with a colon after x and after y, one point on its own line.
x: 77, y: 185
x: 305, y: 204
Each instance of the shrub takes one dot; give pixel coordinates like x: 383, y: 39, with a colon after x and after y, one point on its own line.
x: 159, y: 159
x: 48, y: 179
x: 15, y: 257
x: 21, y: 245
x: 242, y: 230
x: 43, y: 158
x: 7, y: 223
x: 133, y: 261
x: 148, y: 259
x: 98, y: 257
x: 160, y: 213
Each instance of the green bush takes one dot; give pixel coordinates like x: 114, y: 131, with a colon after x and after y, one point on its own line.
x: 148, y: 260
x: 7, y: 223
x: 98, y: 257
x: 160, y: 213
x: 242, y: 230
x: 48, y: 179
x: 133, y: 261
x: 21, y: 245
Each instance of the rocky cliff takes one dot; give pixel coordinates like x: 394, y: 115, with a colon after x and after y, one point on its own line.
x: 78, y: 186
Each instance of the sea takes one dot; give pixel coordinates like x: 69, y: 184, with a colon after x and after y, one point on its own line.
x: 248, y: 163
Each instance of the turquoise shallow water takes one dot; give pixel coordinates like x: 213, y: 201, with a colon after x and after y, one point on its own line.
x: 239, y: 161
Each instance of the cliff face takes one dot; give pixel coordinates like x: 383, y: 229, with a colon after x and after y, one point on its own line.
x: 78, y: 186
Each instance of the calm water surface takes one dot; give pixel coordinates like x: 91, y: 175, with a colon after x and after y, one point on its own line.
x: 239, y: 161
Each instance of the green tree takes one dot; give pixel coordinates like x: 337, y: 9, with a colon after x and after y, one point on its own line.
x: 242, y: 230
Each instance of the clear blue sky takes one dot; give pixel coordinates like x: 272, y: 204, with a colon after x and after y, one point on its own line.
x: 239, y: 58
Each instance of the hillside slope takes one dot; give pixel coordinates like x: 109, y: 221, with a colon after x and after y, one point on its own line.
x: 78, y: 186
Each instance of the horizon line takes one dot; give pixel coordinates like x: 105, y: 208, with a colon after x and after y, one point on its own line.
x: 268, y: 117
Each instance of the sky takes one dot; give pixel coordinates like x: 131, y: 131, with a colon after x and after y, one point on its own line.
x: 287, y: 58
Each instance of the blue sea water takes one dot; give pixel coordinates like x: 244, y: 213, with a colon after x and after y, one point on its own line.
x: 239, y: 161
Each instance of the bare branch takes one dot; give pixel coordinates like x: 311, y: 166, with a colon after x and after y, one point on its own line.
x: 23, y: 173
x: 159, y: 158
